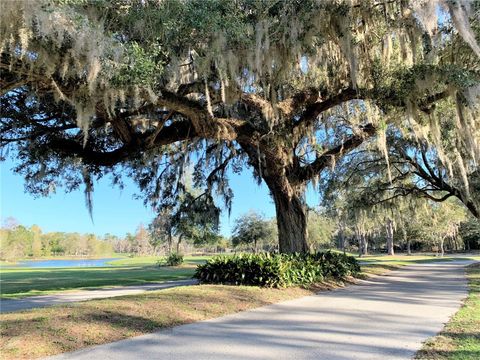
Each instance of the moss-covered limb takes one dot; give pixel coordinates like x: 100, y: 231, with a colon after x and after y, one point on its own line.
x: 142, y: 89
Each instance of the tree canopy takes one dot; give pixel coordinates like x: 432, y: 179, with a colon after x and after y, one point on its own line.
x: 288, y: 88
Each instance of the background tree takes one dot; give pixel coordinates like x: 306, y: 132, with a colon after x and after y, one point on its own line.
x: 469, y: 230
x: 142, y: 241
x: 142, y: 88
x: 320, y: 230
x: 161, y: 230
x: 251, y: 229
x: 36, y: 241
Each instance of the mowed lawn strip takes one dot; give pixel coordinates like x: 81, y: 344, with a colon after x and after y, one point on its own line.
x: 47, y: 331
x: 153, y: 260
x: 460, y: 339
x: 17, y: 283
x: 22, y: 282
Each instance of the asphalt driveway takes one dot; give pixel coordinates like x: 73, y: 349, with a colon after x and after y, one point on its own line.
x: 386, y: 318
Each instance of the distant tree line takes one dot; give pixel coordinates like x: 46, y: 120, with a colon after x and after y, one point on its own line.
x: 410, y: 226
x: 406, y: 225
x: 18, y: 242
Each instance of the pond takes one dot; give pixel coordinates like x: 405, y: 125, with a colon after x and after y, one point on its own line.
x: 64, y: 263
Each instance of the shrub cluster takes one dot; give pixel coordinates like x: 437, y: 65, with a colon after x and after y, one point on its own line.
x: 276, y: 270
x: 173, y: 259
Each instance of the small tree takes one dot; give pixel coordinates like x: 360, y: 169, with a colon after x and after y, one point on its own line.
x: 320, y: 230
x: 36, y: 241
x: 251, y: 228
x: 470, y: 232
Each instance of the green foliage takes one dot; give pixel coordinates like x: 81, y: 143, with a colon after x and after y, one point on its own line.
x: 320, y: 230
x: 251, y: 229
x: 470, y: 232
x: 276, y: 270
x: 173, y: 259
x: 19, y: 242
x: 143, y: 67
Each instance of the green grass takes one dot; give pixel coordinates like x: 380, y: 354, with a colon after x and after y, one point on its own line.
x: 152, y: 260
x: 460, y: 339
x: 21, y: 282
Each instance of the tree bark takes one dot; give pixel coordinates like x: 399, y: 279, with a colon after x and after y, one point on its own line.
x: 389, y: 231
x: 362, y: 243
x: 343, y: 240
x: 178, y: 243
x: 291, y: 223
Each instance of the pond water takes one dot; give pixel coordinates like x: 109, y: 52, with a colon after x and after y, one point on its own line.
x: 64, y: 263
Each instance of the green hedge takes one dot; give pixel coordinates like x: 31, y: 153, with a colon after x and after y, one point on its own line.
x: 276, y: 270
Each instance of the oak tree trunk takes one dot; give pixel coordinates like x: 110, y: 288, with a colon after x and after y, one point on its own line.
x: 291, y: 216
x: 362, y: 243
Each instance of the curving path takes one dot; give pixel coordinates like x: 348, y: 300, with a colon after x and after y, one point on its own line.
x: 385, y: 318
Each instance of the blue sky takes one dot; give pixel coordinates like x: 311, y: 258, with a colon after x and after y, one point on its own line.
x: 115, y: 211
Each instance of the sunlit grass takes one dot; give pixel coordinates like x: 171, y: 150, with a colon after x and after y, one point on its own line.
x: 153, y: 260
x: 21, y: 282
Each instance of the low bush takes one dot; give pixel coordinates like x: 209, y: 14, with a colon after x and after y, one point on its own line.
x: 173, y: 259
x: 276, y: 270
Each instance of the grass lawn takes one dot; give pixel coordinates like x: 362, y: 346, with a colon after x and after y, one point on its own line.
x: 21, y: 282
x: 28, y: 282
x: 152, y: 260
x: 460, y: 339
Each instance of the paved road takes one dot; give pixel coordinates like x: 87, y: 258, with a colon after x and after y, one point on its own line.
x: 10, y: 305
x: 385, y: 318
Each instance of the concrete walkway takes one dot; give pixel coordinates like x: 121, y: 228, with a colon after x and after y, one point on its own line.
x: 386, y: 318
x: 10, y: 305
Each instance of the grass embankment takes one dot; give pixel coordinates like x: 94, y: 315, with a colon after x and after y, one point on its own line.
x: 21, y: 282
x: 460, y: 339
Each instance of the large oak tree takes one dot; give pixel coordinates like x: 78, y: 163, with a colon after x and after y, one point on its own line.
x: 144, y: 88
